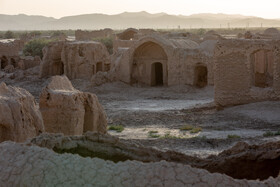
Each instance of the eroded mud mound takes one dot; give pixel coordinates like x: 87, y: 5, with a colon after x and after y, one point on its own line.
x: 29, y: 165
x: 243, y: 161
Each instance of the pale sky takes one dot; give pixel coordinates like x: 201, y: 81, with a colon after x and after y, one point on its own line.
x: 60, y: 8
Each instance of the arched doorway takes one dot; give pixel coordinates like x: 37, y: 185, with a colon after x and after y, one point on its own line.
x: 262, y: 63
x: 157, y: 74
x: 149, y: 66
x: 200, y: 76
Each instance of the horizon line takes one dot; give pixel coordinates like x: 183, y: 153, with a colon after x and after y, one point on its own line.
x: 234, y: 14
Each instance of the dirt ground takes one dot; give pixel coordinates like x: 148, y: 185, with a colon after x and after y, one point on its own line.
x: 153, y: 116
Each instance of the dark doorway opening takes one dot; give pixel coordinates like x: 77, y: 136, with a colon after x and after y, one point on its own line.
x: 157, y: 74
x: 93, y: 69
x: 262, y: 62
x: 99, y: 67
x: 58, y: 68
x: 4, y: 62
x: 5, y: 134
x: 201, y: 76
x: 13, y: 62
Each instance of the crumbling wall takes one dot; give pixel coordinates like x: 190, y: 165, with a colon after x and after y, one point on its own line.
x: 52, y: 63
x: 10, y: 52
x: 11, y: 49
x: 76, y: 60
x: 28, y: 62
x: 121, y: 64
x: 235, y: 69
x: 84, y: 59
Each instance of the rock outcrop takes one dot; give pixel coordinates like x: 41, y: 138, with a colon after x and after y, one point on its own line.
x: 69, y: 111
x: 20, y: 118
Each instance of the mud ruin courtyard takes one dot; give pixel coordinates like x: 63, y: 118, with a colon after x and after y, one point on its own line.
x: 154, y: 109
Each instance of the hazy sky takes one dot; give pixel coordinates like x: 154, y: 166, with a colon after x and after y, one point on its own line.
x: 60, y: 8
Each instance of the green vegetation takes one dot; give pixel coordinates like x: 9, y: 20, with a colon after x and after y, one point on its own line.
x: 108, y: 42
x: 153, y: 134
x: 269, y: 133
x: 117, y: 128
x: 196, y: 130
x: 233, y: 136
x: 9, y: 35
x: 167, y: 135
x: 35, y: 47
x: 186, y: 128
x: 191, y: 128
x: 57, y: 33
x: 201, y: 32
x: 36, y: 33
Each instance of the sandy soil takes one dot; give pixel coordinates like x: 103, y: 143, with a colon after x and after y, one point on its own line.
x: 166, y: 109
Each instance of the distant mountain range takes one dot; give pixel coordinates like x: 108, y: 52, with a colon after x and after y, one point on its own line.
x: 130, y: 19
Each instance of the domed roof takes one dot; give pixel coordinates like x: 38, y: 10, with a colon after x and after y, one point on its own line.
x: 271, y: 31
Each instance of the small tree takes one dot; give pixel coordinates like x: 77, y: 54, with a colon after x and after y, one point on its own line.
x: 57, y: 33
x: 201, y: 31
x: 9, y: 35
x: 35, y: 33
x: 35, y: 47
x: 108, y: 42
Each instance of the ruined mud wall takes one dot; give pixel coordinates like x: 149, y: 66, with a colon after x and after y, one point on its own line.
x: 235, y: 71
x: 89, y: 35
x: 9, y: 53
x: 84, y: 59
x: 28, y: 62
x: 51, y: 63
x: 123, y: 44
x: 177, y: 57
x: 193, y: 59
x: 11, y: 49
x: 76, y: 60
x: 121, y: 64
